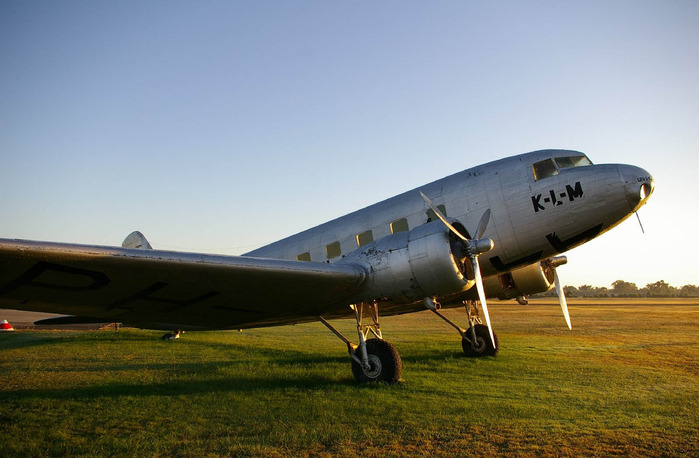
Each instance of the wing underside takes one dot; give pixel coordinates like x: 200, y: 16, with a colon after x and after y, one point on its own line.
x: 171, y: 290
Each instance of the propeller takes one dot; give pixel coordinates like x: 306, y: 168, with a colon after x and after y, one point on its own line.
x: 473, y: 248
x: 553, y: 263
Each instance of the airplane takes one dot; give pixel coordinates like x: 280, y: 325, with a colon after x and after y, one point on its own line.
x: 496, y: 230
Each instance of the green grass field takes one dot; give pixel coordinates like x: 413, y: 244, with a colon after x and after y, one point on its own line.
x: 625, y: 381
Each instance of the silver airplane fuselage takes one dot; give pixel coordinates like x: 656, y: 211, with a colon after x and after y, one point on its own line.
x: 395, y: 254
x: 539, y: 208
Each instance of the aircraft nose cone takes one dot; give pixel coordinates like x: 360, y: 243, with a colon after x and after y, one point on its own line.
x: 638, y: 183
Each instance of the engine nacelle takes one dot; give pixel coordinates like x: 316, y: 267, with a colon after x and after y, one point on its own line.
x: 409, y: 266
x: 532, y: 279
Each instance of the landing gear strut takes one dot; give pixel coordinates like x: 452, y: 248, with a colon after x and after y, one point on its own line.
x: 475, y: 341
x: 373, y: 360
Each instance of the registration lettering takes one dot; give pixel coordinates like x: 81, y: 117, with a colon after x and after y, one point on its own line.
x: 556, y: 198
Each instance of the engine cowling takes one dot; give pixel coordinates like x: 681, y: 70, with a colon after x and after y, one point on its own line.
x: 409, y: 266
x: 532, y: 279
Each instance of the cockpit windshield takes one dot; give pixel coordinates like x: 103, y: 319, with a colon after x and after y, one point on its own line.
x: 573, y: 161
x: 544, y: 169
x: 548, y: 168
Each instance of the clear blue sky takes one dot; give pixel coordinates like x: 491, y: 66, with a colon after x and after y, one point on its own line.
x: 220, y: 126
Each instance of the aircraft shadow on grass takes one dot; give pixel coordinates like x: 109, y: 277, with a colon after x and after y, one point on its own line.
x: 15, y: 341
x: 218, y: 376
x: 240, y: 384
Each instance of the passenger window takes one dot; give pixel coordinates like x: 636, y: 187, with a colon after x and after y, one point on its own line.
x: 574, y: 161
x: 544, y: 169
x: 432, y: 216
x: 333, y: 250
x: 304, y: 257
x: 399, y: 225
x: 365, y: 238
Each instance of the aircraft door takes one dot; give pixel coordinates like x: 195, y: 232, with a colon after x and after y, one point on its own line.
x: 505, y: 193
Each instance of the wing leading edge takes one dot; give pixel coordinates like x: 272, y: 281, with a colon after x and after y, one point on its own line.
x: 171, y: 290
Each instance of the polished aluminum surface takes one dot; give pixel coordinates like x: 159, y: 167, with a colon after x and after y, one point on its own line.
x: 529, y: 221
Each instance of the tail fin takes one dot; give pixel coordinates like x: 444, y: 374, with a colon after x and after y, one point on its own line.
x: 137, y: 241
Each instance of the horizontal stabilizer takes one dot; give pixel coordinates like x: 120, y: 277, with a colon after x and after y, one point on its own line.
x: 136, y: 240
x: 69, y: 320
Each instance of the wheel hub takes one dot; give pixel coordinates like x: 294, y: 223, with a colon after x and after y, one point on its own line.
x: 374, y: 369
x: 478, y: 345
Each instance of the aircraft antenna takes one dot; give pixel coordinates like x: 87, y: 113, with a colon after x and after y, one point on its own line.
x: 639, y: 222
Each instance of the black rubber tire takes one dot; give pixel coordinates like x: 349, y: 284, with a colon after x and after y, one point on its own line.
x: 483, y: 345
x: 386, y: 365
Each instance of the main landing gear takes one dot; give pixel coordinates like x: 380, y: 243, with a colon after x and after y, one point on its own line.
x: 373, y: 360
x: 475, y: 341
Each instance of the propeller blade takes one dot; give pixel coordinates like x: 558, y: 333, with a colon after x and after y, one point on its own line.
x: 562, y: 298
x: 474, y: 247
x: 441, y: 217
x: 485, y: 219
x: 481, y: 295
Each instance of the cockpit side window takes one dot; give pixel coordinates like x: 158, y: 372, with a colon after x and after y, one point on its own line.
x: 573, y: 161
x: 544, y: 169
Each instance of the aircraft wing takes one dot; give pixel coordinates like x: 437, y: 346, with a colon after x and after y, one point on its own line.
x: 171, y: 290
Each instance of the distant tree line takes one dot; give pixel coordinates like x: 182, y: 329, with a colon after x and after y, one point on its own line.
x: 621, y: 288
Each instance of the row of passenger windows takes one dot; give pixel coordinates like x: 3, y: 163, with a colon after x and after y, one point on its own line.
x: 542, y: 169
x: 333, y: 250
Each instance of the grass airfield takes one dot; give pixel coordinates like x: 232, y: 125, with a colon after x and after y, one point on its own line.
x: 625, y: 381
